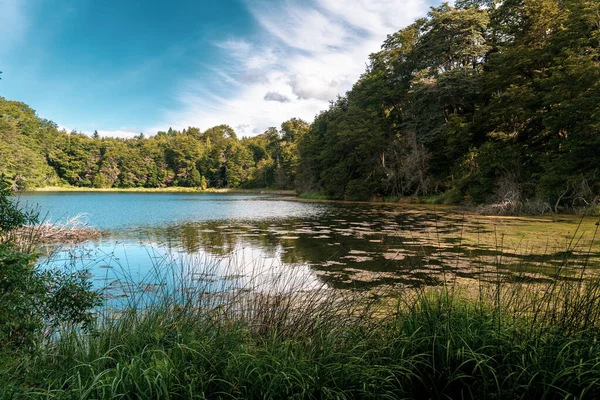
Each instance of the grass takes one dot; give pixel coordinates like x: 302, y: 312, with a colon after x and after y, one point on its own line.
x: 495, y: 339
x: 447, y: 198
x: 451, y: 196
x: 313, y: 196
x: 439, y: 346
x: 433, y: 344
x: 540, y: 235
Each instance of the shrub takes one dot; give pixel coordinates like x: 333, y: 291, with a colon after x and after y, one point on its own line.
x: 33, y: 301
x: 11, y: 217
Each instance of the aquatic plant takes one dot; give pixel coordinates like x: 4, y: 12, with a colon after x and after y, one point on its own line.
x: 237, y: 326
x: 203, y: 330
x: 73, y: 230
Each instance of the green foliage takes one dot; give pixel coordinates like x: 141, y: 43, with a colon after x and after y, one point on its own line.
x: 11, y: 217
x: 19, y: 290
x: 34, y: 300
x: 24, y: 139
x: 464, y: 98
x: 457, y: 101
x: 35, y: 153
x: 439, y: 345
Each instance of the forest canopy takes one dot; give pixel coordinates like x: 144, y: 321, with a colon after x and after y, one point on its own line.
x: 35, y: 153
x: 487, y: 101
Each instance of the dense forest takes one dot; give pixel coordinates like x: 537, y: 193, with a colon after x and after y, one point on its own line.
x: 487, y: 102
x: 34, y: 153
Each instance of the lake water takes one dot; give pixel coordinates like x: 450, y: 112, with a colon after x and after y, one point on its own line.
x: 227, y: 240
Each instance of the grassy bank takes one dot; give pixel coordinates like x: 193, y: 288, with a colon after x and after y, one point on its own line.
x: 498, y: 337
x: 453, y: 198
x: 170, y: 189
x: 448, y: 198
x: 197, y: 335
x: 440, y: 345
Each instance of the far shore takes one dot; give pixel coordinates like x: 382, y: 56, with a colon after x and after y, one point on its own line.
x: 290, y: 194
x: 311, y: 197
x: 170, y: 189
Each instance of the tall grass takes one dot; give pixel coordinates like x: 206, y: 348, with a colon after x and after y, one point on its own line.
x: 246, y: 330
x: 313, y: 196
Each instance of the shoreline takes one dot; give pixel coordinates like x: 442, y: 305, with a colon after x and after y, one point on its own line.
x: 287, y: 195
x: 292, y: 195
x: 170, y: 189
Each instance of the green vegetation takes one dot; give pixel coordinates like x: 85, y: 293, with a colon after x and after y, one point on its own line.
x: 490, y: 102
x: 34, y: 302
x: 502, y: 336
x: 503, y: 341
x: 36, y: 154
x: 487, y: 102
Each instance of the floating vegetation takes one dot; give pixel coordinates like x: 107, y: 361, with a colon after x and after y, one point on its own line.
x: 445, y: 305
x: 73, y: 230
x: 381, y: 238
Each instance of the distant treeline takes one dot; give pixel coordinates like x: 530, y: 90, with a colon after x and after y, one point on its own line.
x: 487, y: 101
x: 34, y: 153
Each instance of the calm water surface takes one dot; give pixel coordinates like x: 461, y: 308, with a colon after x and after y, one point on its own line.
x: 228, y: 240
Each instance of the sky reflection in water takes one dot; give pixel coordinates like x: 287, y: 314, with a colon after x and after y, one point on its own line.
x: 233, y: 241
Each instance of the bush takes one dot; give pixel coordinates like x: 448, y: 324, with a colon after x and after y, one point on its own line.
x: 11, y: 217
x: 33, y: 301
x: 358, y: 190
x: 19, y: 293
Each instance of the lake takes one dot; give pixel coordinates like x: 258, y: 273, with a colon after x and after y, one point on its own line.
x: 231, y: 241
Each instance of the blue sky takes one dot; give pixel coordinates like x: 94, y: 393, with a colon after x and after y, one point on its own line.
x: 125, y: 67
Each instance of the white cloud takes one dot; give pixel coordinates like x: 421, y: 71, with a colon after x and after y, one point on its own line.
x: 125, y: 133
x: 120, y: 133
x: 307, y: 55
x: 305, y: 28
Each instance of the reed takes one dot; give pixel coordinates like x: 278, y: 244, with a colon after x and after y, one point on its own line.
x: 237, y: 328
x: 73, y: 230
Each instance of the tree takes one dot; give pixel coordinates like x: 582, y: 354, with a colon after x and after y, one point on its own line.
x: 461, y: 102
